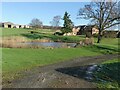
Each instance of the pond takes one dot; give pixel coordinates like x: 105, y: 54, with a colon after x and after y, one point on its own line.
x: 49, y: 44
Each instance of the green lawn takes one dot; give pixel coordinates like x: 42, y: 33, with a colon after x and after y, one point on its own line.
x: 54, y: 37
x: 47, y: 33
x: 39, y: 34
x: 12, y: 32
x: 15, y: 60
x: 19, y: 31
x: 108, y: 76
x: 113, y: 42
x: 108, y: 43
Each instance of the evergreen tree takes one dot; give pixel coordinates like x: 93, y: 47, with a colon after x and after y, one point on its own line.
x: 68, y: 24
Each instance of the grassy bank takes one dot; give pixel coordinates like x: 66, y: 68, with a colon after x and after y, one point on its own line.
x: 39, y: 34
x: 54, y: 37
x: 48, y: 33
x: 108, y: 76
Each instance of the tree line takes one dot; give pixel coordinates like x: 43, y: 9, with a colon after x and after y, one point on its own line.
x: 101, y: 13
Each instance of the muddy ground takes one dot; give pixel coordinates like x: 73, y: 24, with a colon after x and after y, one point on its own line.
x: 67, y: 74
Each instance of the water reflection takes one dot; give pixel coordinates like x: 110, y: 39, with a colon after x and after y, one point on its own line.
x: 50, y: 44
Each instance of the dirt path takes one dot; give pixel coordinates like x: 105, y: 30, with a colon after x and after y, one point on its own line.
x: 67, y: 74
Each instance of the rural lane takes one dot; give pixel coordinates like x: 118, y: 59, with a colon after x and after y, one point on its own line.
x: 67, y: 74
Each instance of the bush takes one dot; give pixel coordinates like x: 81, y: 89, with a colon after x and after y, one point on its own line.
x: 110, y: 34
x: 88, y: 34
x: 89, y: 41
x: 58, y: 33
x: 66, y: 30
x: 95, y: 35
x: 33, y: 32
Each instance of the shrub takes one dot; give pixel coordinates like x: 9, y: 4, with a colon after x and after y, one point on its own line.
x: 110, y: 34
x: 88, y: 34
x: 31, y: 32
x: 58, y: 33
x: 89, y: 41
x: 95, y: 35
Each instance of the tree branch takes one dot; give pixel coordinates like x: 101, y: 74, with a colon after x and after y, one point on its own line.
x: 112, y: 25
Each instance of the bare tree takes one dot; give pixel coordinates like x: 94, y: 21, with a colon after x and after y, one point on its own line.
x: 104, y: 14
x: 56, y: 21
x: 36, y: 23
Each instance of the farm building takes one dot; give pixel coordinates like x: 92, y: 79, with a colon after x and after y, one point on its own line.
x: 26, y: 26
x: 91, y: 30
x: 21, y: 26
x: 16, y: 26
x: 83, y: 29
x: 7, y: 25
x: 95, y: 31
x: 12, y: 25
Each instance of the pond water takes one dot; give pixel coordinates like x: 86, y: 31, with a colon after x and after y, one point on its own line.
x: 49, y: 44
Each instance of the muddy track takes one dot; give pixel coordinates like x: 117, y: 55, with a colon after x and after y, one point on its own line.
x: 67, y: 74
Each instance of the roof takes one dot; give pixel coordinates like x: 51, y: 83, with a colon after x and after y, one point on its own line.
x: 8, y: 23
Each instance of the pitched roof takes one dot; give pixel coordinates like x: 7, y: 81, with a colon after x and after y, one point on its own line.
x: 8, y: 23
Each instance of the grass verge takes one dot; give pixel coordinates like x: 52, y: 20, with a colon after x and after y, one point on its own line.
x: 108, y: 76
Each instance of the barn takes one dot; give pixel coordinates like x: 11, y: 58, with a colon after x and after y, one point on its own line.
x: 12, y: 25
x: 7, y: 25
x: 87, y: 29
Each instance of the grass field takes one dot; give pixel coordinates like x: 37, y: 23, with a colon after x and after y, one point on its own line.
x: 108, y: 76
x: 12, y: 32
x: 113, y: 42
x: 39, y: 34
x: 47, y: 33
x: 16, y: 60
x: 19, y: 31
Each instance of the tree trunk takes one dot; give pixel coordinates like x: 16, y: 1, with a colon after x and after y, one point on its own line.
x: 99, y: 35
x: 99, y: 38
